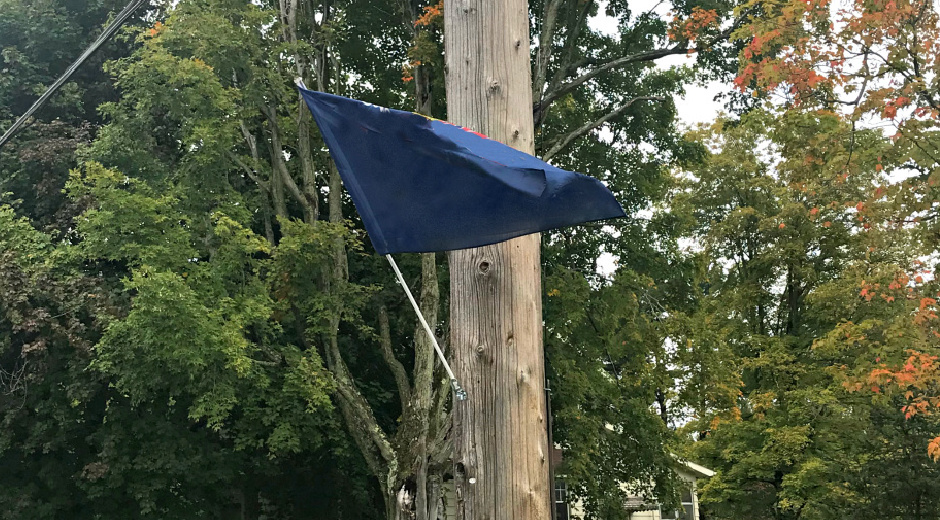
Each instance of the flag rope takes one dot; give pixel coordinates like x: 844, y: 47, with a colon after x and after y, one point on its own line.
x: 459, y: 392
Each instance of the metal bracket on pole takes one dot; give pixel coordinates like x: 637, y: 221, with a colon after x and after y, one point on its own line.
x: 459, y: 393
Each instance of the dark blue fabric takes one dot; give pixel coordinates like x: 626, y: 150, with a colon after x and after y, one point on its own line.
x: 424, y: 185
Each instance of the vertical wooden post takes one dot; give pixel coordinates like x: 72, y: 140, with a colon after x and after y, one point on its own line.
x: 501, y: 452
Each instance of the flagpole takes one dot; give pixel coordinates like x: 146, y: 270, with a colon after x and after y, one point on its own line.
x: 459, y: 392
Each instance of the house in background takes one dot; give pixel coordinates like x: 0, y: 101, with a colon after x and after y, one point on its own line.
x: 641, y: 509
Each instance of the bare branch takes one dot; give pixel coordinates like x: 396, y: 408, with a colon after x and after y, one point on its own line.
x: 917, y: 143
x: 567, y: 139
x: 559, y: 89
x: 651, y: 10
x: 546, y: 37
x: 858, y: 99
x: 250, y: 140
x: 280, y: 165
x: 15, y: 381
x: 563, y: 89
x: 908, y: 77
x: 567, y: 64
x: 248, y: 171
x: 307, y: 169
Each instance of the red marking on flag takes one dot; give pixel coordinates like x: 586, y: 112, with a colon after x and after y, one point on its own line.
x: 452, y: 124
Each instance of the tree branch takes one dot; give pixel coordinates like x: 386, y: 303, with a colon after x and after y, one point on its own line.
x: 423, y: 396
x: 546, y: 38
x: 563, y: 89
x: 439, y: 413
x: 248, y: 171
x: 559, y: 89
x: 280, y: 165
x: 250, y: 140
x: 567, y: 139
x: 567, y: 66
x: 398, y: 370
x: 441, y: 447
x: 353, y: 403
x: 252, y: 143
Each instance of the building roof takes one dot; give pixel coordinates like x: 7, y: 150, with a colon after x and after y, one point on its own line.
x: 698, y: 471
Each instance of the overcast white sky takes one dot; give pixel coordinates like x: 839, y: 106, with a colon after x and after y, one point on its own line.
x: 697, y: 105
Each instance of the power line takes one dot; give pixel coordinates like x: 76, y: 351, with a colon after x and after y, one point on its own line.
x: 102, y: 38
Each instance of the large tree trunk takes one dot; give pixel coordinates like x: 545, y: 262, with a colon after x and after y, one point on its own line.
x: 501, y: 451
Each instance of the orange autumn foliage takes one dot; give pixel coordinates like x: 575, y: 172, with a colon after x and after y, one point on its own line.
x: 431, y: 14
x: 933, y: 449
x: 155, y: 30
x: 916, y: 375
x: 689, y: 29
x: 423, y: 48
x: 812, y: 51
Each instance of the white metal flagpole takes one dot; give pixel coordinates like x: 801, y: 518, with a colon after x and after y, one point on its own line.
x: 459, y: 392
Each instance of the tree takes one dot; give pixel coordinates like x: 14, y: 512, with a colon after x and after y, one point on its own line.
x: 39, y: 41
x: 876, y: 62
x: 199, y: 287
x: 788, y: 246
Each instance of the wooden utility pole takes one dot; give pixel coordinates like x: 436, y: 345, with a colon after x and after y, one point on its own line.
x: 501, y: 452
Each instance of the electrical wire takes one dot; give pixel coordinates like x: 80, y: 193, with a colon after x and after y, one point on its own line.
x: 102, y: 38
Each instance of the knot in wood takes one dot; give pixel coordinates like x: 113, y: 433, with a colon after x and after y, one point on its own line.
x: 484, y: 266
x: 494, y: 86
x: 480, y: 349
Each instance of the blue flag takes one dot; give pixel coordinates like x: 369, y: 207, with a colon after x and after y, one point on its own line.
x: 425, y: 185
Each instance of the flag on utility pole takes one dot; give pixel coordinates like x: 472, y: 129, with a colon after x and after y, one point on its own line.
x: 425, y: 185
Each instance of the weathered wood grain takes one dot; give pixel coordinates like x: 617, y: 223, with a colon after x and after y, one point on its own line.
x: 501, y: 451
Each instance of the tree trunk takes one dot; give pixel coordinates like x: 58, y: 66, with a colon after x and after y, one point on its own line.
x: 501, y: 451
x: 661, y: 401
x: 423, y: 394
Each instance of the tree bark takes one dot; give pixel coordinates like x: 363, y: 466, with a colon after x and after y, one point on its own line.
x: 373, y: 442
x: 546, y: 45
x: 289, y: 9
x: 424, y: 382
x: 501, y: 452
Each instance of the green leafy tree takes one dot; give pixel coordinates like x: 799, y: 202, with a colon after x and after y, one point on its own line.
x: 38, y: 41
x: 788, y: 242
x: 238, y: 348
